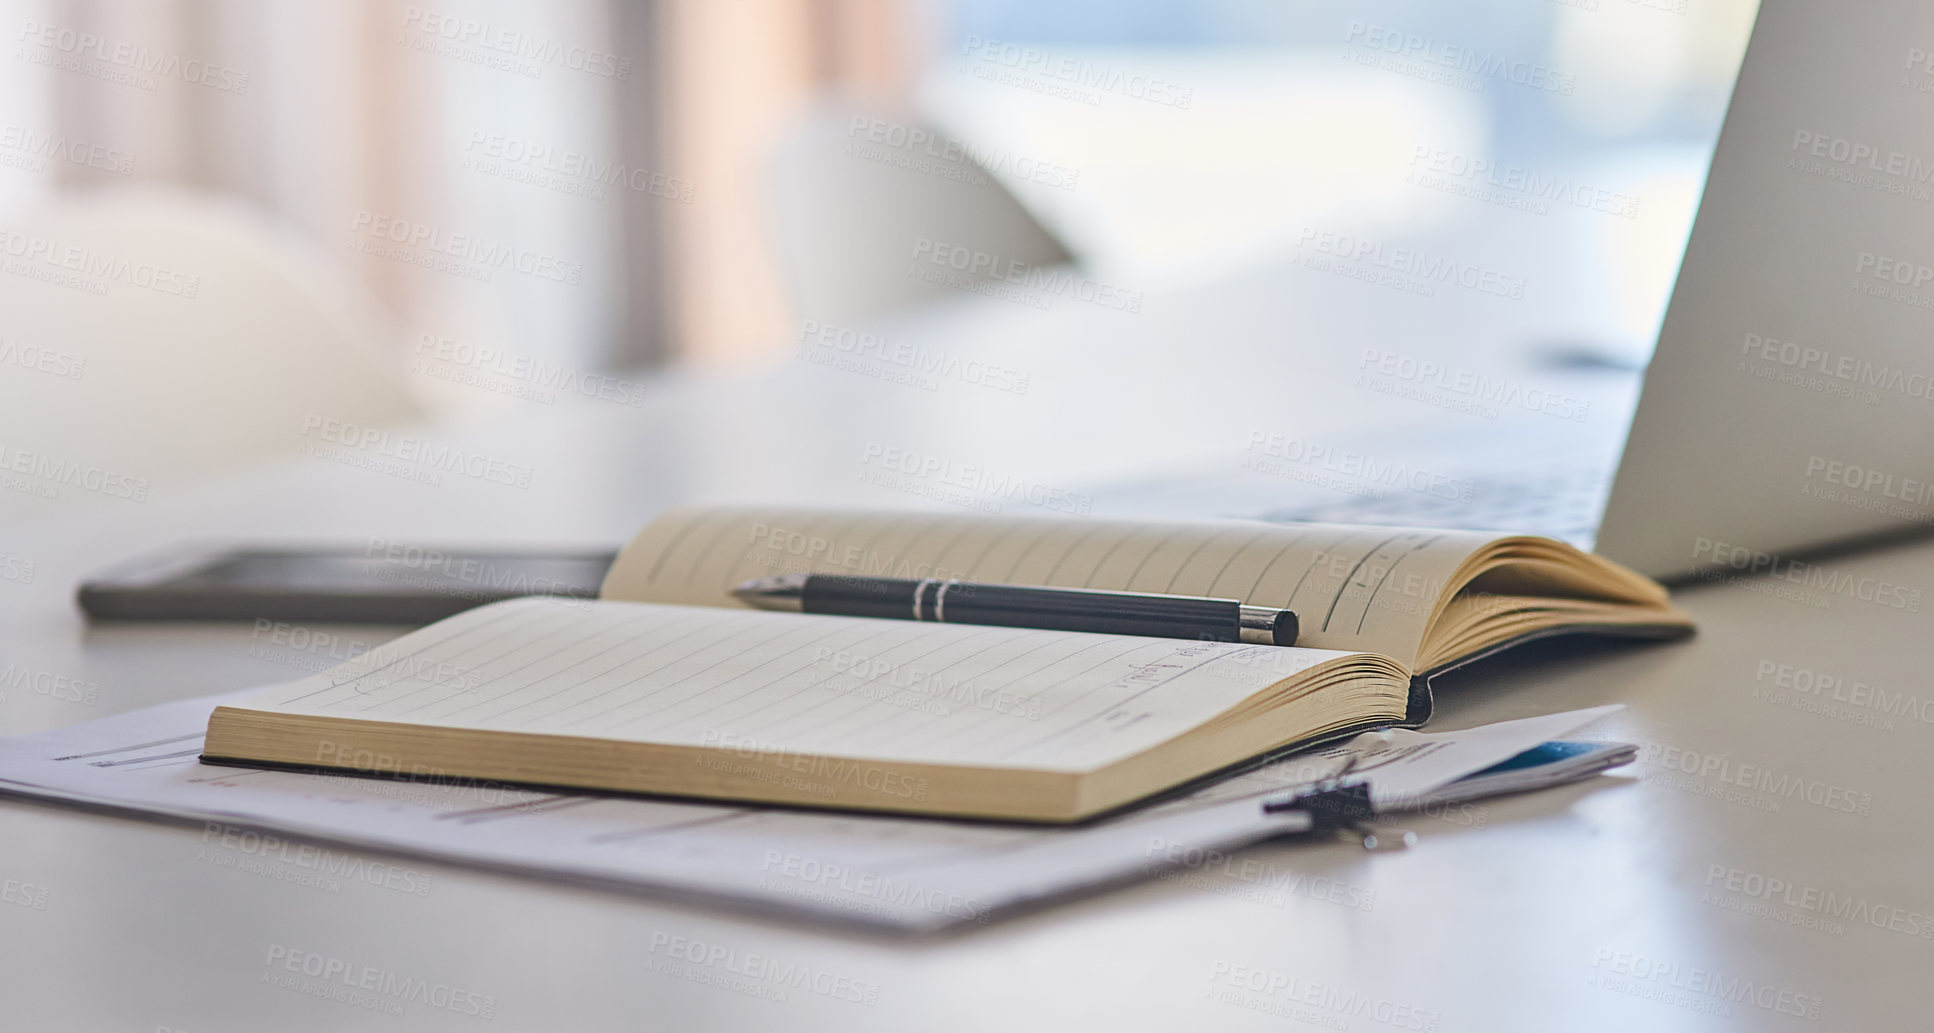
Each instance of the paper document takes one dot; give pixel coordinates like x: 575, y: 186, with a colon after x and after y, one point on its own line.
x: 902, y: 873
x: 1403, y: 766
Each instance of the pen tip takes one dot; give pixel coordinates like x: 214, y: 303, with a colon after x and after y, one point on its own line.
x: 781, y: 592
x: 765, y: 585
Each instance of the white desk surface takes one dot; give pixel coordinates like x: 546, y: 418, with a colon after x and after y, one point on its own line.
x: 1619, y: 904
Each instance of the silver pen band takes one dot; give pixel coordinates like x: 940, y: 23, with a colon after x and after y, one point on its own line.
x: 919, y: 595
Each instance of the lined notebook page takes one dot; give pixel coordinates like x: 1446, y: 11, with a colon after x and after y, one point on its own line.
x: 1354, y: 588
x: 838, y: 686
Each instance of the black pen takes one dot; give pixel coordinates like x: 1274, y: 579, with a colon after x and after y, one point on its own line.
x: 1024, y: 606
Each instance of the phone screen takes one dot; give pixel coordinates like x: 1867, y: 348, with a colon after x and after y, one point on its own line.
x: 416, y: 570
x: 395, y: 585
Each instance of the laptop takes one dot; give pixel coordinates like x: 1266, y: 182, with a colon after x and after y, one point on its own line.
x: 1787, y: 404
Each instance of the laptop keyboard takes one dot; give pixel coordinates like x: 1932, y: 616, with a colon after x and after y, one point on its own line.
x: 1563, y: 505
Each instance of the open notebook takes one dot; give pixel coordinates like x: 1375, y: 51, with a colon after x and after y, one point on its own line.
x: 668, y: 685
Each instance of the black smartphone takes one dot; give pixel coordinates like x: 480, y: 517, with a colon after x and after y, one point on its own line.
x: 379, y: 583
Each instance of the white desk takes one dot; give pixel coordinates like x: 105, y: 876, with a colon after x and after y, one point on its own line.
x: 1549, y: 915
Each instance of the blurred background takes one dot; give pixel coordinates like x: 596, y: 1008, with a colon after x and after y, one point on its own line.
x: 633, y: 142
x: 590, y: 190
